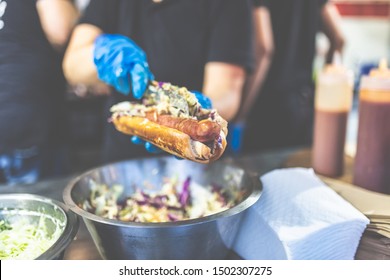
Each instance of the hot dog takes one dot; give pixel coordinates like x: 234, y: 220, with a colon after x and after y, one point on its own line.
x: 172, y: 119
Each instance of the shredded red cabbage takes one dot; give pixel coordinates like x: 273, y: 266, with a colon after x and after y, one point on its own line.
x: 184, y: 197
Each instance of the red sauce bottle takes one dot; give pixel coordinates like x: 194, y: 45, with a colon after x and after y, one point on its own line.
x: 372, y: 160
x: 333, y: 102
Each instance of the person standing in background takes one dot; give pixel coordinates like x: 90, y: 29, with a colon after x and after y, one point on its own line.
x: 204, y: 45
x: 277, y: 110
x: 33, y: 35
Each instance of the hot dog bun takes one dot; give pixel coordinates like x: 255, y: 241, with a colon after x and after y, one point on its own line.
x: 170, y: 140
x: 172, y: 119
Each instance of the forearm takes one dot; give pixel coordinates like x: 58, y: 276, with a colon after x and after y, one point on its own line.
x: 79, y: 68
x: 223, y: 84
x: 78, y: 64
x: 254, y: 85
x: 264, y: 51
x: 57, y: 18
x: 331, y: 27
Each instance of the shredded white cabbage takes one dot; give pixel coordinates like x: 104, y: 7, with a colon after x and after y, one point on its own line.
x: 23, y: 240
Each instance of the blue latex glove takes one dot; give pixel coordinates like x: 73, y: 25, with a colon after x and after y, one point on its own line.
x: 204, y: 101
x: 148, y: 146
x: 235, y: 137
x: 121, y: 64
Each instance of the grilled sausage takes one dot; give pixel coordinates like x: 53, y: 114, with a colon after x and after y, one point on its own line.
x: 203, y: 131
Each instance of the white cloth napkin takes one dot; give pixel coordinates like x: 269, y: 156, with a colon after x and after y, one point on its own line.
x: 299, y: 217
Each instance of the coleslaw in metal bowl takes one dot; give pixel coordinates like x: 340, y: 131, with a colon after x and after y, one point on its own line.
x: 175, y: 201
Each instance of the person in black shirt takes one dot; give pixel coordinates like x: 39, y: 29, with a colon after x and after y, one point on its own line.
x: 32, y: 36
x: 204, y: 45
x: 278, y: 108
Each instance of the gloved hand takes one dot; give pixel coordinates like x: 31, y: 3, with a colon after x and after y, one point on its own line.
x: 121, y: 64
x: 235, y: 137
x: 204, y: 101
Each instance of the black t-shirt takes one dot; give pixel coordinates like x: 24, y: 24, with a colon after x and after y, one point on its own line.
x: 294, y: 24
x: 179, y: 37
x: 30, y: 76
x: 283, y: 111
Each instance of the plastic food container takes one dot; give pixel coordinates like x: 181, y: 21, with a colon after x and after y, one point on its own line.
x: 333, y: 102
x: 372, y: 161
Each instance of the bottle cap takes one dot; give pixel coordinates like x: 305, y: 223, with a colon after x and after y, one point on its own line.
x: 334, y: 89
x: 378, y: 79
x: 336, y: 72
x: 382, y: 71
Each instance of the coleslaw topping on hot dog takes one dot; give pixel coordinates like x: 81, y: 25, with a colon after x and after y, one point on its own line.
x: 176, y: 114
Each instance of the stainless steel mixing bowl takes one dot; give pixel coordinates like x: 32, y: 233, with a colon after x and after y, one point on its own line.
x: 208, y: 237
x: 31, y: 208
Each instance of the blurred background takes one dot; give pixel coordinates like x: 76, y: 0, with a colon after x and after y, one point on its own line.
x: 366, y: 27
